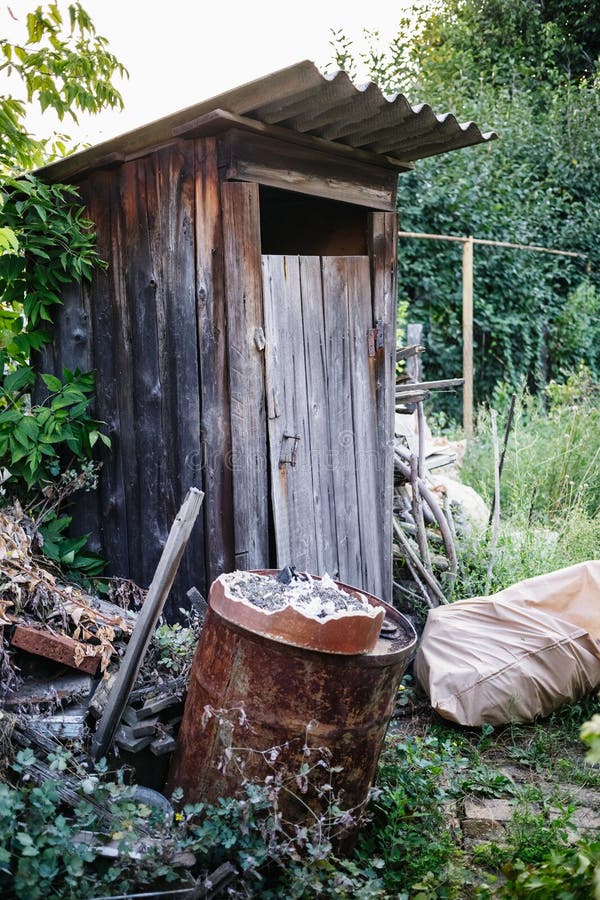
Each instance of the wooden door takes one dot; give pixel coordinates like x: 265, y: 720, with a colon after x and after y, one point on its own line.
x: 325, y: 469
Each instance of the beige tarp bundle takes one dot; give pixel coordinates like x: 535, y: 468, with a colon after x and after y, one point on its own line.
x: 517, y: 654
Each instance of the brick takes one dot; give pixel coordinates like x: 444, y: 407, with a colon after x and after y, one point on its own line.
x: 483, y: 830
x: 485, y: 820
x: 489, y: 810
x: 57, y: 647
x: 127, y: 741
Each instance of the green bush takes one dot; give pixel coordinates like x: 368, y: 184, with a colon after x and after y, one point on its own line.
x: 58, y: 62
x: 44, y: 853
x: 503, y: 64
x: 410, y: 830
x: 552, y: 465
x: 550, y: 489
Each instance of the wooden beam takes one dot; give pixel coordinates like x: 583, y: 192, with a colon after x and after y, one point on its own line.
x: 428, y: 385
x: 244, y: 303
x: 383, y: 242
x: 258, y: 158
x: 219, y: 120
x: 467, y: 319
x: 147, y: 619
x: 488, y: 243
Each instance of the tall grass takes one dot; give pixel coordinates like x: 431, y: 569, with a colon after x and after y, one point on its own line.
x: 550, y: 492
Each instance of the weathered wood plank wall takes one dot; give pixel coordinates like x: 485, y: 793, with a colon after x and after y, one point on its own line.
x: 290, y: 446
x: 243, y: 300
x: 139, y: 325
x: 175, y: 331
x: 215, y: 452
x: 325, y: 466
x: 320, y: 432
x: 383, y: 244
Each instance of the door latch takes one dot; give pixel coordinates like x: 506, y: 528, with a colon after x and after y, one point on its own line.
x: 375, y: 338
x: 289, y: 449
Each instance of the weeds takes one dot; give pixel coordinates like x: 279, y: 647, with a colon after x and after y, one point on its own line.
x: 44, y: 849
x: 411, y: 832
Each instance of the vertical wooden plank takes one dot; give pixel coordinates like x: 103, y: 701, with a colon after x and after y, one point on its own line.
x: 383, y: 249
x: 288, y: 415
x: 414, y: 364
x: 315, y: 349
x: 142, y: 282
x: 99, y: 194
x: 364, y: 419
x: 215, y: 456
x: 467, y: 328
x: 243, y: 297
x: 115, y: 342
x: 339, y: 387
x: 73, y: 333
x: 171, y: 223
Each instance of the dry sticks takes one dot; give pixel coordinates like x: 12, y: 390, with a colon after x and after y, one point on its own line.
x: 419, y: 505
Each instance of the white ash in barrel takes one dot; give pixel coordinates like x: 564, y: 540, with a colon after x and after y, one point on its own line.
x: 309, y: 611
x: 317, y: 598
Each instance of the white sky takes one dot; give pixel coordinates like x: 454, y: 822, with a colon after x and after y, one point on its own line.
x: 179, y: 52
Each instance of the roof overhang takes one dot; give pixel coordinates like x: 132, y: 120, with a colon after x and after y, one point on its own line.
x: 298, y: 104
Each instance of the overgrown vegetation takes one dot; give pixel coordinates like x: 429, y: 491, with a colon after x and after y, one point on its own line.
x: 412, y: 848
x: 47, y: 433
x: 527, y: 70
x: 40, y: 855
x: 550, y: 490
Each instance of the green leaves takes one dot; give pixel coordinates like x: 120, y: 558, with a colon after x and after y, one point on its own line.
x: 22, y: 377
x: 9, y: 242
x: 46, y: 242
x: 502, y: 63
x: 68, y: 551
x: 60, y: 65
x: 590, y: 734
x: 32, y: 442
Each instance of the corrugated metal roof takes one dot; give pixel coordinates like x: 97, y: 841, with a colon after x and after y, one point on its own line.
x: 302, y: 100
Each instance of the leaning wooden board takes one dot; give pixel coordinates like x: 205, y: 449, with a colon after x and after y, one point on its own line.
x: 146, y: 621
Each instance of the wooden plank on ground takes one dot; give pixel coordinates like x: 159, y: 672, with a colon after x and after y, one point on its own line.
x: 243, y: 294
x: 146, y: 621
x: 215, y: 451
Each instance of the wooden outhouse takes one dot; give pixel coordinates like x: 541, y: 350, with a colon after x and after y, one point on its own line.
x: 243, y: 335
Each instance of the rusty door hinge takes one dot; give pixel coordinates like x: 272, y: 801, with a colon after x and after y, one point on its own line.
x: 375, y: 338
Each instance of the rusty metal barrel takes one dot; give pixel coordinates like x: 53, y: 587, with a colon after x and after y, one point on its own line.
x: 255, y: 703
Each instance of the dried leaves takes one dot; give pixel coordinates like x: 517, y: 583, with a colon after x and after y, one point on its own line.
x: 30, y: 593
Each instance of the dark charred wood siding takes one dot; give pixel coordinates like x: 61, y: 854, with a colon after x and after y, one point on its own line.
x: 141, y: 325
x: 174, y: 328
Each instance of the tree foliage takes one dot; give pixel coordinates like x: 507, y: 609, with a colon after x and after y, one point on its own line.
x: 47, y: 433
x: 527, y: 70
x: 61, y: 64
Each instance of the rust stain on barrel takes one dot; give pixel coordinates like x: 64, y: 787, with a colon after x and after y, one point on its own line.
x: 282, y: 689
